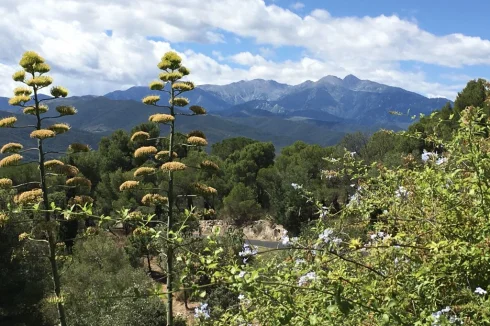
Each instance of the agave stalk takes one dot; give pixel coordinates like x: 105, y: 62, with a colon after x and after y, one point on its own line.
x: 173, y: 71
x: 32, y: 75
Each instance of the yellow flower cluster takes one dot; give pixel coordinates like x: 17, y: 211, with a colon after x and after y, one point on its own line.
x: 179, y: 101
x: 5, y: 183
x: 22, y: 91
x: 207, y: 164
x: 80, y: 200
x: 203, y: 189
x: 19, y: 99
x: 66, y: 110
x: 127, y: 185
x: 7, y: 122
x: 79, y: 182
x: 142, y: 171
x: 29, y: 197
x: 151, y: 99
x: 58, y: 91
x: 153, y: 199
x: 173, y: 166
x: 78, y: 148
x: 198, y: 110
x: 32, y: 110
x: 197, y: 141
x: 43, y: 134
x: 140, y: 136
x: 69, y: 170
x: 10, y: 160
x: 39, y: 81
x: 163, y: 155
x: 156, y: 85
x: 145, y: 151
x: 161, y: 118
x: 59, y: 128
x: 11, y: 148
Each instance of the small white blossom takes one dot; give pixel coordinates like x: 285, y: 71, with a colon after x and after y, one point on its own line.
x: 202, y: 311
x: 441, y: 160
x: 402, y: 192
x: 296, y: 186
x: 285, y: 239
x: 352, y: 154
x: 427, y: 155
x: 324, y: 212
x: 241, y: 297
x: 300, y: 261
x: 247, y: 252
x: 337, y: 241
x: 325, y: 235
x: 479, y: 290
x: 311, y: 276
x: 242, y: 274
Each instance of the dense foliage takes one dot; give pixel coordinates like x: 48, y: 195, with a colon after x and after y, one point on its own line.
x: 383, y: 229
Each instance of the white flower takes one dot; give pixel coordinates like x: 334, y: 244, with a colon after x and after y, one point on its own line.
x: 374, y: 236
x: 247, y: 252
x: 427, y: 155
x: 311, y: 276
x: 402, y: 192
x: 479, y: 290
x: 300, y: 261
x: 324, y: 212
x: 202, y: 311
x: 296, y: 186
x: 337, y: 241
x: 285, y: 239
x: 325, y: 235
x: 352, y: 154
x: 441, y: 160
x: 241, y: 297
x: 242, y: 274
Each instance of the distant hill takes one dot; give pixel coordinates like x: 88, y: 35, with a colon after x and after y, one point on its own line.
x: 356, y: 101
x: 318, y: 112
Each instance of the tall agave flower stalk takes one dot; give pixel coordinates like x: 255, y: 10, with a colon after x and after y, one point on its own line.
x: 33, y: 76
x: 168, y: 161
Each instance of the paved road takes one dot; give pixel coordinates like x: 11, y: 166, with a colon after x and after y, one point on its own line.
x: 266, y: 244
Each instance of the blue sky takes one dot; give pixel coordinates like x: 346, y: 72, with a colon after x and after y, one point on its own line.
x: 430, y: 47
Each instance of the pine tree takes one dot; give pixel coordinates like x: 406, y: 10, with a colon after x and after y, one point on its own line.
x: 34, y: 196
x: 168, y: 161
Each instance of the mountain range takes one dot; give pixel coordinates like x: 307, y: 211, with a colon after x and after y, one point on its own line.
x: 316, y: 112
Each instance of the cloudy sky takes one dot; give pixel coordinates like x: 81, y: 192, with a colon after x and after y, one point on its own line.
x: 94, y: 46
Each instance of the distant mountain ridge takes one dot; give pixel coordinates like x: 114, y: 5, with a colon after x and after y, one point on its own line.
x: 318, y: 112
x: 351, y: 99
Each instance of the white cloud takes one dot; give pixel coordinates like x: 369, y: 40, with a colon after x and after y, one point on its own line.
x: 297, y: 6
x: 71, y: 37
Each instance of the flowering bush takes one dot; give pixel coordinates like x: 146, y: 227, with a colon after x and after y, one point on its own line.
x: 411, y: 248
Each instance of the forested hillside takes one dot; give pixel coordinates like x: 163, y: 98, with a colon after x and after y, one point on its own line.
x: 388, y: 228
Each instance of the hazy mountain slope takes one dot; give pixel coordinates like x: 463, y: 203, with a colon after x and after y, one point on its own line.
x: 198, y: 96
x: 244, y: 91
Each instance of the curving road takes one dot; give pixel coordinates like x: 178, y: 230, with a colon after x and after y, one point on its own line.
x: 264, y: 243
